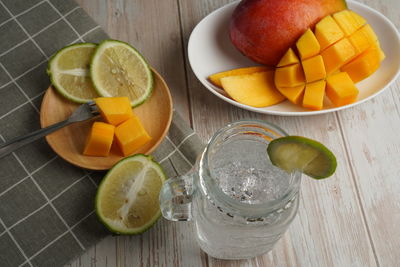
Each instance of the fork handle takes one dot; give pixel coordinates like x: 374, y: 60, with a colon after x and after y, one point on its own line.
x: 12, y: 145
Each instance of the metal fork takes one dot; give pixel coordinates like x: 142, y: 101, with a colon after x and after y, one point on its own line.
x: 82, y: 113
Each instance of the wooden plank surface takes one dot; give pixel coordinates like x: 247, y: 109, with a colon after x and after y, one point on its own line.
x: 351, y: 219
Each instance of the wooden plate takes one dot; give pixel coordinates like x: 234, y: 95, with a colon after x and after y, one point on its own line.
x: 68, y: 142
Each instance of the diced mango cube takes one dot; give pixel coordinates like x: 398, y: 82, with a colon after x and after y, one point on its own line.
x: 288, y: 58
x: 308, y: 45
x: 256, y: 90
x: 114, y: 110
x: 131, y: 135
x: 314, y: 95
x: 328, y: 32
x: 348, y: 21
x: 216, y: 78
x: 363, y: 39
x: 364, y: 65
x: 337, y: 55
x: 314, y: 68
x: 293, y: 94
x: 100, y: 139
x: 289, y: 76
x: 340, y: 89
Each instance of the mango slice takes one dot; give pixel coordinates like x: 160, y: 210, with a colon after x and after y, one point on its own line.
x: 293, y: 94
x: 348, y: 21
x: 340, y: 89
x: 308, y: 45
x: 314, y: 69
x: 100, y: 139
x: 256, y: 90
x: 314, y: 95
x: 289, y: 76
x: 363, y: 38
x: 216, y: 78
x: 337, y: 55
x: 114, y: 110
x: 131, y: 135
x: 364, y: 65
x: 327, y: 32
x: 288, y: 58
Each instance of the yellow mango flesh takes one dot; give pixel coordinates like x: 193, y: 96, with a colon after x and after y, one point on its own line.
x: 256, y: 89
x: 364, y: 65
x: 293, y: 94
x: 337, y: 55
x: 216, y: 78
x: 114, y: 110
x: 314, y: 69
x: 131, y: 135
x: 288, y: 58
x: 348, y: 21
x: 289, y: 76
x: 314, y: 95
x: 308, y: 45
x: 100, y: 139
x: 363, y: 39
x: 340, y: 89
x: 328, y: 32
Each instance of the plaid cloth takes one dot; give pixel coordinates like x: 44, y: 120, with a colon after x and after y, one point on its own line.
x: 46, y: 204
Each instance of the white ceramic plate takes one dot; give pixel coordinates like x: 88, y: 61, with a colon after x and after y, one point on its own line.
x: 210, y: 50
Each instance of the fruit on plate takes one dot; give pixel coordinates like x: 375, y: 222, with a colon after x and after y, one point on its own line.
x: 114, y: 110
x: 131, y: 135
x: 69, y: 72
x: 255, y: 89
x: 127, y: 198
x: 99, y: 140
x: 118, y: 69
x: 264, y: 30
x: 343, y: 50
x: 216, y: 78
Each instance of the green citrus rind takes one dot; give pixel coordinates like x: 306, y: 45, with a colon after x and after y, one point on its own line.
x: 96, y: 81
x: 299, y: 153
x: 131, y: 231
x: 51, y: 71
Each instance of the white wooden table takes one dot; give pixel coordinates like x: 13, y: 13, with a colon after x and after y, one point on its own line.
x: 352, y: 219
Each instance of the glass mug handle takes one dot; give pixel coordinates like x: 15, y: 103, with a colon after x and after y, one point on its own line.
x: 176, y: 198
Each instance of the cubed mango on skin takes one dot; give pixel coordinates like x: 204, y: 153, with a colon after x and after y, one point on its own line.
x: 314, y: 69
x: 328, y: 32
x: 114, y: 110
x: 348, y: 21
x: 293, y: 94
x: 308, y: 45
x: 314, y: 95
x: 131, y: 135
x: 99, y: 140
x: 364, y: 65
x: 216, y: 78
x: 337, y: 55
x: 340, y: 89
x: 289, y: 76
x: 363, y: 39
x: 256, y: 89
x: 288, y: 58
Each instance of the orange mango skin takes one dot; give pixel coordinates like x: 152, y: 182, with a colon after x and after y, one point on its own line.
x: 131, y: 135
x: 114, y: 110
x: 100, y: 140
x: 263, y: 30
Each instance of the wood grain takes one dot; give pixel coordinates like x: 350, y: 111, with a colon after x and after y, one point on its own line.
x: 348, y: 220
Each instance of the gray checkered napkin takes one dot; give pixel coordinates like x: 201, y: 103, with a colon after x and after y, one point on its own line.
x: 46, y: 204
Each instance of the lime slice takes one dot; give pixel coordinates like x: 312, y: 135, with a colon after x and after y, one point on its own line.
x: 127, y: 198
x: 69, y: 72
x: 117, y: 69
x: 299, y: 153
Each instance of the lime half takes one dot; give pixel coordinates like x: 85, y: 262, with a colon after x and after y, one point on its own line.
x: 127, y: 198
x: 118, y: 69
x: 69, y: 72
x: 292, y: 153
